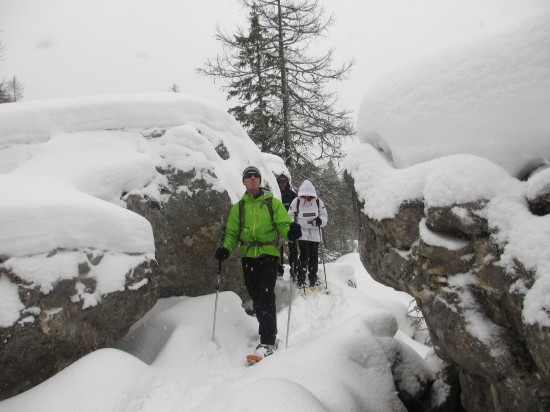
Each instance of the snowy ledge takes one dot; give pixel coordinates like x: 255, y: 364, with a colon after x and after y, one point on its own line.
x: 461, y: 179
x: 108, y: 271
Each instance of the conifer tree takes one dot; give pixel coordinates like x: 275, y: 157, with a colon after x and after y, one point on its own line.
x: 174, y: 88
x: 4, y: 97
x: 313, y: 128
x: 257, y: 91
x: 285, y: 103
x: 10, y: 90
x: 14, y: 89
x: 340, y: 235
x: 246, y: 66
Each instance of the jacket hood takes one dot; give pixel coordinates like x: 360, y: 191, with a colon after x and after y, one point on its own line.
x: 307, y: 189
x: 263, y: 192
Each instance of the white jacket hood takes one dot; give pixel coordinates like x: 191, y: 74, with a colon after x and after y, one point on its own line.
x: 307, y: 189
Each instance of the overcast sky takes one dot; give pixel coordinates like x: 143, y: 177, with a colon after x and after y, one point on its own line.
x: 62, y: 48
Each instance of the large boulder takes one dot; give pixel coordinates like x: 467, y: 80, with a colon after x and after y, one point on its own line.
x: 480, y: 294
x: 109, y: 203
x: 188, y: 228
x: 59, y: 324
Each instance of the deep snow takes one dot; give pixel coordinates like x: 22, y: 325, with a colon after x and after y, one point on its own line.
x: 335, y: 359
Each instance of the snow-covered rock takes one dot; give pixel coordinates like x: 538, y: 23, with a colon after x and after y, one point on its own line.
x: 444, y: 217
x: 108, y: 203
x: 489, y: 97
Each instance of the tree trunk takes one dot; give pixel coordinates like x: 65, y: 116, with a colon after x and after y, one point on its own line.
x: 288, y: 147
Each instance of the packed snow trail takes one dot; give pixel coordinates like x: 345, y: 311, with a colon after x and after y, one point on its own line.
x: 335, y: 360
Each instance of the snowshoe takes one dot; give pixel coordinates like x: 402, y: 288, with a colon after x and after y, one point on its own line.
x: 261, y: 352
x: 314, y: 282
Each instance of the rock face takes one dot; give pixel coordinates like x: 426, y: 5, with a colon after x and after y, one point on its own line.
x: 472, y: 306
x: 188, y: 229
x: 57, y: 328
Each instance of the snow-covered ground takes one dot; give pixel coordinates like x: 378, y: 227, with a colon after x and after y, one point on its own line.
x: 334, y: 361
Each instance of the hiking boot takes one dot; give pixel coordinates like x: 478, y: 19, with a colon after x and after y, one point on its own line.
x: 265, y: 350
x: 301, y: 283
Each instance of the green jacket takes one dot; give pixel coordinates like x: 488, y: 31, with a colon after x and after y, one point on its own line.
x: 258, y: 226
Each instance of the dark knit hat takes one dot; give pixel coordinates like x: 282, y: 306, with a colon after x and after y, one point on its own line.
x: 282, y: 176
x: 252, y: 169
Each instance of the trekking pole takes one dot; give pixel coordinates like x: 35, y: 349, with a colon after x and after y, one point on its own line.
x: 289, y: 299
x: 218, y: 286
x: 321, y: 237
x: 292, y: 259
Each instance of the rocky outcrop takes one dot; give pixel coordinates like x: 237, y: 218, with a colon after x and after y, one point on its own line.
x: 160, y: 156
x: 188, y: 229
x: 54, y: 330
x: 58, y: 326
x: 471, y: 303
x: 539, y: 191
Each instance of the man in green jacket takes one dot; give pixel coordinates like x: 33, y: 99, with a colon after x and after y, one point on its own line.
x: 263, y: 219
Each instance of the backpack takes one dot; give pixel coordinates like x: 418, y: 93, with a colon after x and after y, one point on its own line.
x: 298, y: 207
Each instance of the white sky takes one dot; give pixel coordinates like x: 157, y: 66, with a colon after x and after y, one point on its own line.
x: 61, y: 48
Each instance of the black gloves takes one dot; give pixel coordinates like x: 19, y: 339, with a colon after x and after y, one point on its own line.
x: 222, y: 253
x: 318, y: 221
x: 294, y: 232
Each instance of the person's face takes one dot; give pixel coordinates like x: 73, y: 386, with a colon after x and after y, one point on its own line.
x: 282, y: 183
x: 307, y: 198
x: 252, y: 182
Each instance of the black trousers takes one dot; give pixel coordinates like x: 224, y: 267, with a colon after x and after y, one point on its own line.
x: 293, y: 260
x: 309, y: 256
x: 291, y: 254
x: 260, y: 275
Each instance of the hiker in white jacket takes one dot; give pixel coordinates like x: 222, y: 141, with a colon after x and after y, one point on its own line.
x: 310, y: 212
